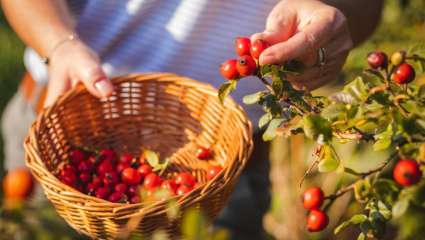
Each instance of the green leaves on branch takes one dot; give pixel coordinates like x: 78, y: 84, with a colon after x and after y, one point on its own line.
x: 317, y: 128
x: 356, y: 219
x: 270, y: 132
x: 384, y: 139
x: 226, y: 89
x: 329, y: 160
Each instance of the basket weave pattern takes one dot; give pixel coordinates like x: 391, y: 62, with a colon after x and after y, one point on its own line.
x: 166, y: 113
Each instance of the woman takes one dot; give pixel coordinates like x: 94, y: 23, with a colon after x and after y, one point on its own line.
x: 90, y: 41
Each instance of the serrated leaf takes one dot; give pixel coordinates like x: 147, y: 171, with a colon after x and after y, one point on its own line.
x: 315, y: 126
x: 383, y: 140
x: 342, y: 97
x: 265, y: 69
x: 357, y: 89
x: 400, y: 207
x: 152, y: 157
x: 356, y: 219
x: 226, y: 89
x: 329, y: 161
x: 253, y: 98
x: 264, y: 120
x: 270, y: 132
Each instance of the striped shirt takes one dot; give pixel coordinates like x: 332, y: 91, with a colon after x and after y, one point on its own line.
x: 186, y: 37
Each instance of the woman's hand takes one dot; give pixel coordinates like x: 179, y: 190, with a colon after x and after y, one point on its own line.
x: 75, y: 62
x: 297, y: 30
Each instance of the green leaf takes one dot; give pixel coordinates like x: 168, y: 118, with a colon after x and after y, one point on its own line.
x: 253, y: 98
x: 357, y: 89
x: 277, y: 85
x: 356, y: 219
x: 334, y: 111
x: 383, y: 140
x: 330, y: 161
x: 270, y: 132
x: 226, y: 89
x: 400, y: 207
x: 264, y: 120
x: 361, y: 236
x: 362, y: 190
x: 316, y: 126
x: 265, y: 69
x: 152, y: 157
x: 385, y: 190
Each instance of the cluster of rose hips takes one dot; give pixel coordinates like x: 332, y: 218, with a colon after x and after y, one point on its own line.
x: 124, y: 178
x: 246, y: 65
x: 406, y: 173
x: 402, y: 74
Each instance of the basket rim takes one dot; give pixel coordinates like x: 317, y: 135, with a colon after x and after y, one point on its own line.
x: 34, y: 161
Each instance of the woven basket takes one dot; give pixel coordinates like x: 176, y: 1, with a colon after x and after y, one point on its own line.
x: 166, y: 113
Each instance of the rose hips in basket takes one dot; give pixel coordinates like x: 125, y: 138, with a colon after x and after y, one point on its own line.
x: 169, y: 185
x: 77, y: 156
x: 313, y: 198
x: 242, y: 46
x: 126, y: 158
x: 257, y: 47
x: 85, y: 177
x: 85, y: 166
x: 108, y: 155
x: 213, y: 171
x: 317, y: 220
x: 104, y: 167
x: 144, y: 170
x: 120, y: 187
x: 121, y: 166
x: 377, y: 60
x: 131, y: 176
x: 135, y: 199
x: 133, y: 190
x: 152, y: 180
x: 407, y: 172
x: 203, y: 153
x: 183, y: 189
x: 102, y: 193
x: 186, y: 179
x: 117, y: 197
x: 228, y: 69
x: 246, y: 66
x: 69, y: 177
x: 404, y: 74
x: 110, y: 179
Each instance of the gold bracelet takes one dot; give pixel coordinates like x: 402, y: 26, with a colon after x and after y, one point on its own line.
x: 70, y: 37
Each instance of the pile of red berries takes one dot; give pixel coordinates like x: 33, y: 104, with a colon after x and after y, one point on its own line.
x: 402, y: 73
x: 317, y: 220
x: 246, y: 65
x: 125, y: 179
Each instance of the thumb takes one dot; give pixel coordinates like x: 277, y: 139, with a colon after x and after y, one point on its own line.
x: 95, y: 80
x: 56, y: 86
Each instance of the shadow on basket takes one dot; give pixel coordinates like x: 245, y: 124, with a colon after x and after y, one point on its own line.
x: 166, y: 113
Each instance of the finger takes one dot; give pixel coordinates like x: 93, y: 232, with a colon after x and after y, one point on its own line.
x: 56, y: 86
x: 309, y: 38
x: 279, y: 28
x: 94, y: 78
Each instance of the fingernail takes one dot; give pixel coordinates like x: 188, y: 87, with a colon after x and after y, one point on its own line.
x: 104, y: 87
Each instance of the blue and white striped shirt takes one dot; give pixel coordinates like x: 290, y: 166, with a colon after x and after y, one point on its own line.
x: 187, y: 37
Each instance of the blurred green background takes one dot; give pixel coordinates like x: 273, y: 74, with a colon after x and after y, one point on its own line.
x: 402, y: 26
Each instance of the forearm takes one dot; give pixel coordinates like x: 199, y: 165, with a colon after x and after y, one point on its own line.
x: 363, y: 16
x: 40, y: 24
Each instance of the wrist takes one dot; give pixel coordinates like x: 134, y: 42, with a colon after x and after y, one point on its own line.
x: 58, y: 44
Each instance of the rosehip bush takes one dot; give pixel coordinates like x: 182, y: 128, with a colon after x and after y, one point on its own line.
x: 382, y: 107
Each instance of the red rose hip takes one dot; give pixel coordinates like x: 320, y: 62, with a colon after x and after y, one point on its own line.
x: 242, y: 46
x: 246, y: 66
x: 102, y: 193
x: 126, y: 158
x: 317, y: 221
x: 135, y: 199
x: 313, y: 198
x: 228, y: 69
x: 203, y: 152
x: 186, y: 179
x: 77, y: 156
x: 169, y: 185
x: 407, y: 172
x: 257, y: 47
x: 377, y: 60
x: 183, y: 189
x: 213, y: 171
x: 404, y: 73
x: 152, y: 181
x: 144, y: 170
x: 131, y: 176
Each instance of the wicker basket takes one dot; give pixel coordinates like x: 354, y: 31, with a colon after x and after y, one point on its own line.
x: 167, y: 113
